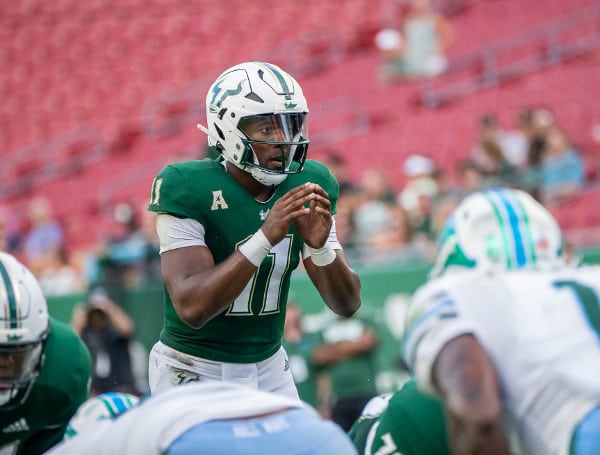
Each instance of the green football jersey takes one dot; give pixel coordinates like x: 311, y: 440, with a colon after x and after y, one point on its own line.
x: 412, y: 424
x: 62, y: 385
x: 250, y: 329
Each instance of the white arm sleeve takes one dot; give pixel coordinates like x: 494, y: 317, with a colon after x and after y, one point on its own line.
x: 332, y: 241
x: 176, y: 232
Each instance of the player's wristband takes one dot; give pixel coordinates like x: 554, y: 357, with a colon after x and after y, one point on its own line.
x: 256, y: 248
x: 322, y: 256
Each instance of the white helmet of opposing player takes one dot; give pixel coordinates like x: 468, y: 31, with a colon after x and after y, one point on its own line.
x: 107, y: 405
x: 251, y: 94
x: 24, y: 327
x: 499, y: 229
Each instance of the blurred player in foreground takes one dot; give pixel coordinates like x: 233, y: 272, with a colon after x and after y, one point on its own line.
x: 409, y: 422
x: 233, y: 229
x: 44, y: 367
x: 507, y: 334
x: 212, y: 417
x: 107, y: 405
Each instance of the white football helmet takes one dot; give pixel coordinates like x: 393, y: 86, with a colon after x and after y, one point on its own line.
x: 499, y: 229
x: 101, y: 407
x: 24, y: 327
x: 263, y: 96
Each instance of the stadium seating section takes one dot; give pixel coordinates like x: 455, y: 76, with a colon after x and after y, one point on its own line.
x: 98, y: 95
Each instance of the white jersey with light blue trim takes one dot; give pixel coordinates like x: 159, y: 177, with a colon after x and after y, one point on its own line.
x: 540, y: 328
x: 152, y: 426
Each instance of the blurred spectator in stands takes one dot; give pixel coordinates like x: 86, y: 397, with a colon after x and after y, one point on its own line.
x: 442, y: 207
x: 348, y: 199
x: 58, y: 276
x: 515, y: 142
x: 418, y: 48
x: 11, y: 235
x: 348, y: 353
x: 593, y: 155
x: 496, y: 151
x: 44, y: 235
x: 538, y: 121
x: 300, y: 347
x: 106, y: 330
x: 471, y: 177
x: 420, y: 188
x: 371, y: 215
x: 130, y: 257
x: 562, y: 170
x: 498, y: 171
x: 393, y: 241
x: 375, y: 186
x: 338, y: 165
x: 396, y: 243
x: 344, y: 219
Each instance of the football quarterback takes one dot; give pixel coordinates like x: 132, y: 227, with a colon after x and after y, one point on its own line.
x: 233, y: 229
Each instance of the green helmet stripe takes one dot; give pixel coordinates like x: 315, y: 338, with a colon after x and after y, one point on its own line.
x: 285, y: 89
x: 10, y: 297
x: 503, y: 225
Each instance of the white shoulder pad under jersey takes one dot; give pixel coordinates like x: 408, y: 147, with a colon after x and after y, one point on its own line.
x: 152, y: 426
x: 541, y: 330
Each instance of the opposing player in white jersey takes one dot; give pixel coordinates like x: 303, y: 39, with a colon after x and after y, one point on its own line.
x: 105, y: 406
x: 507, y: 334
x: 210, y: 417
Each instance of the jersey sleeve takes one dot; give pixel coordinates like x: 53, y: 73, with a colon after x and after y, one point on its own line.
x: 169, y: 193
x: 79, y: 362
x: 433, y: 319
x: 176, y: 232
x: 61, y: 387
